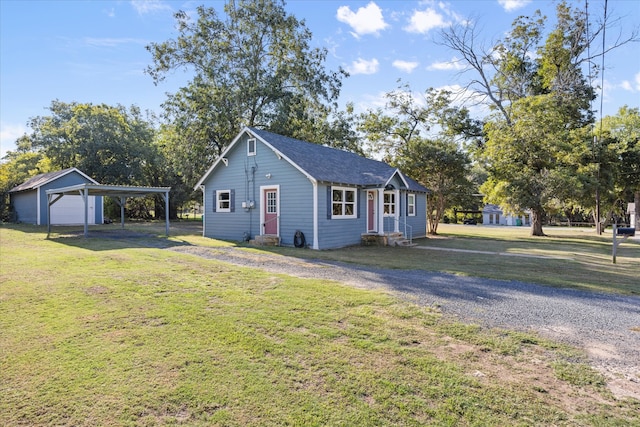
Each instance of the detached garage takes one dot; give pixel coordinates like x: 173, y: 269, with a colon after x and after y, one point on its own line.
x: 30, y: 203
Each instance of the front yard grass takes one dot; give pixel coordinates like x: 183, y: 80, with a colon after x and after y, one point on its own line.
x: 118, y: 331
x: 572, y: 258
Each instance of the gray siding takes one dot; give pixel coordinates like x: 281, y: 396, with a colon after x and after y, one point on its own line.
x: 25, y: 206
x: 245, y: 175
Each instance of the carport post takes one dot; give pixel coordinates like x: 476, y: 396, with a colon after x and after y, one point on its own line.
x: 48, y: 215
x: 166, y: 211
x: 122, y: 199
x: 85, y: 197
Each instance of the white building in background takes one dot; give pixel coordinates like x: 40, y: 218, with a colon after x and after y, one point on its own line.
x: 631, y: 210
x: 493, y: 215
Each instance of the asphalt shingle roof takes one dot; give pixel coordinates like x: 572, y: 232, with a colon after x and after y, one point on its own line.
x: 326, y: 164
x: 39, y: 180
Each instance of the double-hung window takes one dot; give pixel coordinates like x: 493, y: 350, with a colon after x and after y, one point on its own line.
x: 389, y: 202
x: 411, y: 204
x: 251, y: 147
x: 343, y: 202
x: 223, y: 201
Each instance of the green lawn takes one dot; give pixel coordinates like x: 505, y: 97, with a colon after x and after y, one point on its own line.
x: 118, y: 331
x: 572, y: 258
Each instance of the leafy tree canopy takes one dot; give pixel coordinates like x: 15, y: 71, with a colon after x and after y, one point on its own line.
x: 113, y: 145
x: 538, y: 140
x: 424, y: 138
x: 254, y: 66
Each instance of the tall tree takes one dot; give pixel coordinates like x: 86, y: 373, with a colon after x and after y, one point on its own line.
x: 550, y: 88
x: 16, y: 167
x: 111, y: 144
x: 404, y: 118
x: 254, y: 67
x: 530, y: 161
x: 421, y: 137
x: 622, y: 132
x: 441, y: 166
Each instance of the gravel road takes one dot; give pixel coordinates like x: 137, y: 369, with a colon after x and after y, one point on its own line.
x: 606, y: 326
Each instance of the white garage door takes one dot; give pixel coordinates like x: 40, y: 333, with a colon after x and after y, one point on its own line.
x: 70, y: 210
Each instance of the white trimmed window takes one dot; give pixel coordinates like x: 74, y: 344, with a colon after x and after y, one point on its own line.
x: 411, y: 204
x: 251, y: 147
x: 389, y: 203
x: 343, y: 202
x: 223, y: 201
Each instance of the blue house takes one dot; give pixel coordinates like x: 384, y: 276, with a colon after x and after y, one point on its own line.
x: 29, y: 199
x: 267, y: 186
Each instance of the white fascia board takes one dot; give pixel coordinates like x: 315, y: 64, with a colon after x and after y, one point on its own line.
x: 93, y: 181
x: 221, y: 156
x: 85, y: 175
x: 109, y: 190
x: 397, y: 172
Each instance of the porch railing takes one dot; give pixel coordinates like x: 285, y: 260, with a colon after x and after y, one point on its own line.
x: 408, y: 229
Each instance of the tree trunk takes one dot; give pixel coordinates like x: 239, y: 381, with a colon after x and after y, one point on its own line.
x: 434, y: 218
x: 636, y: 200
x: 536, y: 222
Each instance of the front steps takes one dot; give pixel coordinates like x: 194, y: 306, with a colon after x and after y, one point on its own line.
x: 265, y: 240
x: 389, y: 239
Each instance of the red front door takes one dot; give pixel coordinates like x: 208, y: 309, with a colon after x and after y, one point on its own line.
x: 371, y: 211
x: 270, y: 206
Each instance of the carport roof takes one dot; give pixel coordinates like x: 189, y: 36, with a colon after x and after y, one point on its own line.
x: 109, y: 190
x: 119, y: 191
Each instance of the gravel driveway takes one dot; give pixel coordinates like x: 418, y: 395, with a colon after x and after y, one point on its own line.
x: 606, y: 326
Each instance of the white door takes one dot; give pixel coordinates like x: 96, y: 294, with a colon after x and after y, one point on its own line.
x: 70, y: 210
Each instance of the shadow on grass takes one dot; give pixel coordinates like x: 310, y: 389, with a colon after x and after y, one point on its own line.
x: 113, y: 236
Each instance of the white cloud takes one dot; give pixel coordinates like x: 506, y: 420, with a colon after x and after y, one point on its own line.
x: 363, y: 66
x: 9, y: 133
x: 366, y: 20
x: 422, y: 21
x: 633, y: 86
x: 406, y: 66
x: 626, y: 85
x: 453, y: 64
x: 511, y: 5
x: 149, y: 6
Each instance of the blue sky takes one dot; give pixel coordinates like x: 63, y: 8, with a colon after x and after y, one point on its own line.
x: 94, y: 51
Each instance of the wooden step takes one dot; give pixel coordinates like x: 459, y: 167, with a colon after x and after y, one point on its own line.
x: 266, y: 240
x: 389, y: 239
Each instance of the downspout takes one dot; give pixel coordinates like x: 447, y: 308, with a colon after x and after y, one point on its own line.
x: 204, y: 210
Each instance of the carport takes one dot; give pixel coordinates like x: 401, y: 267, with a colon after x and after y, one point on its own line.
x: 119, y: 193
